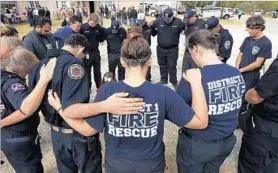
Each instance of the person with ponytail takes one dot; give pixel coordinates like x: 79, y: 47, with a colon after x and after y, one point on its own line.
x: 205, y: 150
x: 134, y: 142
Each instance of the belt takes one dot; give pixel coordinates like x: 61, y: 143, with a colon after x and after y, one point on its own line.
x: 22, y: 133
x: 61, y: 129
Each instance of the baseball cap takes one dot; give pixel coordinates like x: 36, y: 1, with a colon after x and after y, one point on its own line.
x: 168, y: 13
x: 188, y: 14
x: 212, y: 22
x: 115, y: 26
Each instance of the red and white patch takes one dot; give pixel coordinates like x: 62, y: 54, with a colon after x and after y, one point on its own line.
x: 75, y: 71
x: 17, y: 87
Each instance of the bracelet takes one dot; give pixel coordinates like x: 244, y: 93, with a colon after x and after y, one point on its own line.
x: 21, y: 111
x: 59, y: 109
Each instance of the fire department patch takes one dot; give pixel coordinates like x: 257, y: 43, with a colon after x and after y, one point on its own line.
x: 17, y: 87
x: 75, y: 71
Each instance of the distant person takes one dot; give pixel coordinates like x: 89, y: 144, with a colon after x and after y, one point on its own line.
x: 30, y: 16
x: 47, y: 13
x: 41, y: 11
x: 133, y: 16
x: 124, y: 16
x: 40, y: 40
x: 106, y: 12
x: 239, y: 14
x: 68, y: 14
x: 79, y: 14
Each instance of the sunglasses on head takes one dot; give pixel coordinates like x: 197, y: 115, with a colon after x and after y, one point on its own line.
x: 255, y: 26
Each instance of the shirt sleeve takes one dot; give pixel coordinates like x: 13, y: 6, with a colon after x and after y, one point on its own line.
x: 75, y: 87
x: 28, y: 44
x: 177, y: 111
x: 225, y: 47
x: 97, y: 122
x: 184, y: 90
x: 153, y: 28
x: 16, y: 93
x: 266, y: 51
x: 268, y: 85
x: 242, y: 46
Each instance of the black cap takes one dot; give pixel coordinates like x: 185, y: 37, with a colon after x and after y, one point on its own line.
x: 212, y: 22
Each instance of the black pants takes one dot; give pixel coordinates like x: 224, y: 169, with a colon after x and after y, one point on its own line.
x: 258, y: 154
x: 167, y: 61
x: 196, y: 155
x: 251, y: 79
x: 117, y: 165
x: 93, y: 61
x: 187, y: 62
x: 22, y: 150
x: 74, y: 152
x: 113, y: 62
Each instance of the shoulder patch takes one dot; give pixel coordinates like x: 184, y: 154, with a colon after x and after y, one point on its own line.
x: 75, y: 71
x: 227, y: 44
x: 17, y: 87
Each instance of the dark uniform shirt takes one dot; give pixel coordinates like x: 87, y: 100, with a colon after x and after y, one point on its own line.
x: 225, y: 45
x: 267, y: 89
x: 254, y: 48
x: 224, y: 87
x: 13, y: 92
x: 39, y: 44
x: 140, y: 136
x: 93, y: 34
x: 168, y: 35
x: 114, y: 41
x: 197, y: 25
x: 69, y: 81
x: 146, y: 32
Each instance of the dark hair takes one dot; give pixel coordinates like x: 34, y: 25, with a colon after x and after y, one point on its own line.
x: 255, y: 22
x: 136, y: 50
x: 108, y: 75
x: 8, y: 31
x: 76, y: 40
x: 204, y: 38
x: 74, y: 19
x: 42, y: 21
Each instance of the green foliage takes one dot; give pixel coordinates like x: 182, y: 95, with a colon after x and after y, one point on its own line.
x: 246, y: 6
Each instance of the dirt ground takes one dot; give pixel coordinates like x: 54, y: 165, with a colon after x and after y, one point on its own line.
x: 171, y: 131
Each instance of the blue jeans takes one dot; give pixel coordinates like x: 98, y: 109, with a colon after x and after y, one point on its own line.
x: 132, y: 21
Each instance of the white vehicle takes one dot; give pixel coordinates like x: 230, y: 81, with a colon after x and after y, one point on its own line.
x: 224, y: 13
x: 152, y: 11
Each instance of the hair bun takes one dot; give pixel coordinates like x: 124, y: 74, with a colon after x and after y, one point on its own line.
x: 214, y: 35
x: 134, y: 35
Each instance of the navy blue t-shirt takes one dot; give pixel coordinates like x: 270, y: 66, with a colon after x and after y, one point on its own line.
x: 140, y: 136
x: 224, y: 87
x: 254, y: 48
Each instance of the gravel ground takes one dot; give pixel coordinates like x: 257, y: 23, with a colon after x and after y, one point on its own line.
x: 170, y: 137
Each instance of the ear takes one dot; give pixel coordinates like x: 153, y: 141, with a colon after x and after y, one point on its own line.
x: 123, y: 62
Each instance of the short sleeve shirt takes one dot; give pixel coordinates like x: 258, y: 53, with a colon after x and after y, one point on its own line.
x: 140, y: 136
x: 255, y: 48
x: 224, y: 87
x: 267, y: 88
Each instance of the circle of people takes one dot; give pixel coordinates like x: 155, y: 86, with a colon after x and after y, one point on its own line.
x: 208, y: 103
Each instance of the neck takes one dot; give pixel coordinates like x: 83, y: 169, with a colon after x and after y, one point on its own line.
x: 258, y: 35
x: 69, y: 49
x: 11, y: 71
x: 209, y: 58
x: 135, y: 76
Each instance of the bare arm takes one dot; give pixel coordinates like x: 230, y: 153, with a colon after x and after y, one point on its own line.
x: 253, y: 97
x: 239, y: 59
x: 199, y: 103
x: 31, y: 103
x: 13, y: 118
x: 80, y: 125
x: 259, y: 61
x: 116, y: 104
